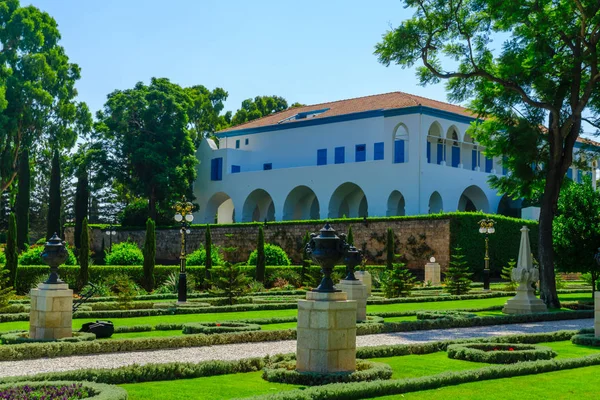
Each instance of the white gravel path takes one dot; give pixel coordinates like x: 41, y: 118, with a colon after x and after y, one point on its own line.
x: 245, y: 350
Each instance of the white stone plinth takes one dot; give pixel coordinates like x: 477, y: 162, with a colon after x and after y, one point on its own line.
x: 597, y: 313
x: 365, y: 278
x: 524, y: 302
x: 433, y: 273
x: 326, y: 339
x: 356, y: 290
x: 51, y: 312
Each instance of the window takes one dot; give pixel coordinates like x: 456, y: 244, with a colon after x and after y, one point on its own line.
x: 361, y: 153
x: 399, y: 151
x: 340, y: 155
x: 570, y: 173
x: 322, y: 157
x: 247, y: 141
x: 579, y: 176
x: 429, y: 152
x: 489, y: 164
x: 474, y: 160
x: 235, y: 169
x: 455, y: 156
x: 267, y: 166
x: 237, y: 144
x: 504, y: 168
x: 440, y: 152
x: 216, y: 169
x: 378, y: 151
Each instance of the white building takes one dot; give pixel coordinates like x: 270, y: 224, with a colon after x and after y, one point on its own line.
x: 382, y: 155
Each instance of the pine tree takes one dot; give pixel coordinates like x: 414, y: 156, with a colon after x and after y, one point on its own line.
x: 260, y: 256
x: 55, y: 199
x: 507, y: 275
x: 458, y: 278
x: 350, y: 238
x: 84, y: 254
x: 230, y: 282
x: 82, y: 196
x: 23, y: 201
x: 149, y: 255
x: 389, y: 248
x: 398, y: 281
x: 12, y: 258
x: 208, y: 259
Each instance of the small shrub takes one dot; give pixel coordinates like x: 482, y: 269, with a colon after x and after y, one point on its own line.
x: 507, y: 275
x: 171, y: 284
x: 256, y: 287
x: 124, y: 288
x: 560, y: 282
x: 274, y: 255
x: 218, y: 327
x: 277, y: 278
x: 101, y: 290
x: 125, y: 253
x: 2, y: 258
x: 198, y: 257
x: 230, y: 282
x: 33, y: 256
x: 397, y: 282
x: 458, y: 277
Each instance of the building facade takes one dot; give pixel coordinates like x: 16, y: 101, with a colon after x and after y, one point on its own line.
x: 385, y: 155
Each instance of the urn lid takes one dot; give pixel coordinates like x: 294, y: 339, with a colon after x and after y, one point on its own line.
x: 327, y: 232
x: 54, y: 242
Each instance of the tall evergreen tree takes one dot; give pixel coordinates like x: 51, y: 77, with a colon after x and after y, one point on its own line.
x: 82, y: 196
x: 55, y: 199
x: 10, y: 251
x: 260, y: 256
x: 350, y: 238
x: 390, y: 245
x: 149, y: 255
x: 458, y: 277
x: 23, y: 201
x: 84, y: 254
x: 208, y: 259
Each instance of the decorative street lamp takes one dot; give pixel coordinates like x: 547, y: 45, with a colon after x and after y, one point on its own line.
x: 55, y: 253
x: 183, y: 214
x: 486, y: 227
x: 326, y: 249
x: 110, y: 232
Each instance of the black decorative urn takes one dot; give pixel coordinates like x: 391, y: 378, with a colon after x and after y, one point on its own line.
x: 326, y: 249
x: 352, y: 258
x: 55, y: 253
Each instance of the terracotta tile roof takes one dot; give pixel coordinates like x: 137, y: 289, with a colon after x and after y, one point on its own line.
x: 384, y: 101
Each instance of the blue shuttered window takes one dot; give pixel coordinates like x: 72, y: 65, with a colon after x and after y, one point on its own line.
x: 378, y: 151
x: 267, y: 166
x: 247, y: 141
x: 216, y: 169
x: 340, y: 155
x: 455, y: 156
x: 504, y: 169
x: 440, y: 153
x: 237, y: 144
x: 579, y: 175
x: 322, y: 157
x: 399, y: 151
x: 429, y: 152
x: 570, y: 173
x: 235, y: 169
x: 489, y: 164
x: 474, y: 161
x: 361, y: 152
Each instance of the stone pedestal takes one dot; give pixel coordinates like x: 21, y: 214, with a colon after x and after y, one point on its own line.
x: 51, y: 312
x: 326, y: 333
x: 524, y: 302
x: 365, y: 278
x: 356, y: 290
x: 433, y: 273
x: 597, y: 313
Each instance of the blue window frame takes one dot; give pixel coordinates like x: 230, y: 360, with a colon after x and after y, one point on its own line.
x: 361, y: 152
x: 504, y: 169
x: 440, y: 153
x: 267, y: 166
x: 237, y: 144
x: 247, y: 141
x: 235, y: 169
x: 322, y: 157
x: 378, y: 151
x: 489, y: 164
x: 216, y: 169
x: 570, y: 173
x: 340, y: 155
x: 429, y: 152
x: 474, y: 160
x: 399, y: 151
x: 579, y: 176
x: 455, y: 156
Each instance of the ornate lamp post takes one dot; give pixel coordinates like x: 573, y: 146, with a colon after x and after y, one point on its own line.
x: 326, y: 249
x: 183, y: 214
x: 110, y: 232
x: 486, y: 227
x: 55, y: 253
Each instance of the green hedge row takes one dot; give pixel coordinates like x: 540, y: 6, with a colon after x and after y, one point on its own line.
x: 102, y: 391
x: 496, y: 353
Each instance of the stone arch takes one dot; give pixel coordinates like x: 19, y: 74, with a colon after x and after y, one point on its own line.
x: 258, y: 207
x: 453, y: 158
x: 301, y: 203
x: 473, y: 199
x: 436, y: 153
x: 400, y: 144
x: 396, y: 204
x: 436, y: 205
x: 349, y: 200
x: 219, y: 209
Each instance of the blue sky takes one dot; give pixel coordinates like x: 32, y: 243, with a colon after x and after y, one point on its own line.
x: 310, y: 51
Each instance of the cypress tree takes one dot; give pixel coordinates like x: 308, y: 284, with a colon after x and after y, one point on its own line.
x: 149, y: 255
x: 389, y: 248
x: 84, y: 254
x: 55, y: 200
x: 208, y: 259
x: 305, y: 259
x: 260, y: 256
x: 12, y: 258
x: 458, y: 277
x: 82, y: 196
x: 350, y: 238
x: 23, y: 201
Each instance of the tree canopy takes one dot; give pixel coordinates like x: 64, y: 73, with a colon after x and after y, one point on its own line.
x: 533, y: 90
x: 258, y: 108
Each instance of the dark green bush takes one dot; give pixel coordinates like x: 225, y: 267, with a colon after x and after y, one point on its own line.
x: 33, y: 256
x: 586, y: 339
x: 124, y: 253
x: 2, y: 257
x: 23, y: 337
x: 499, y: 353
x: 198, y: 257
x: 136, y: 213
x: 444, y: 314
x: 210, y: 328
x: 274, y: 255
x: 100, y: 391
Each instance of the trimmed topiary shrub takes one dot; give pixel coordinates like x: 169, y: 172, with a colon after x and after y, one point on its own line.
x: 58, y: 390
x: 499, y: 353
x: 198, y: 257
x: 33, y: 256
x: 125, y: 253
x: 586, y: 339
x: 218, y: 327
x: 444, y: 314
x: 23, y: 337
x: 274, y: 255
x: 285, y: 372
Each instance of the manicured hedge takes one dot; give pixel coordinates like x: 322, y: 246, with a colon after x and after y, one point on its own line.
x: 586, y: 339
x: 444, y: 314
x: 211, y: 328
x: 23, y: 337
x: 102, y: 391
x: 499, y: 353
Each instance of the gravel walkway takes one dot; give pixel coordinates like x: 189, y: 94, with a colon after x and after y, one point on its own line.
x: 245, y: 350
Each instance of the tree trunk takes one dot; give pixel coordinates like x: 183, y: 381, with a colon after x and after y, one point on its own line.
x: 152, y: 204
x: 546, y: 255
